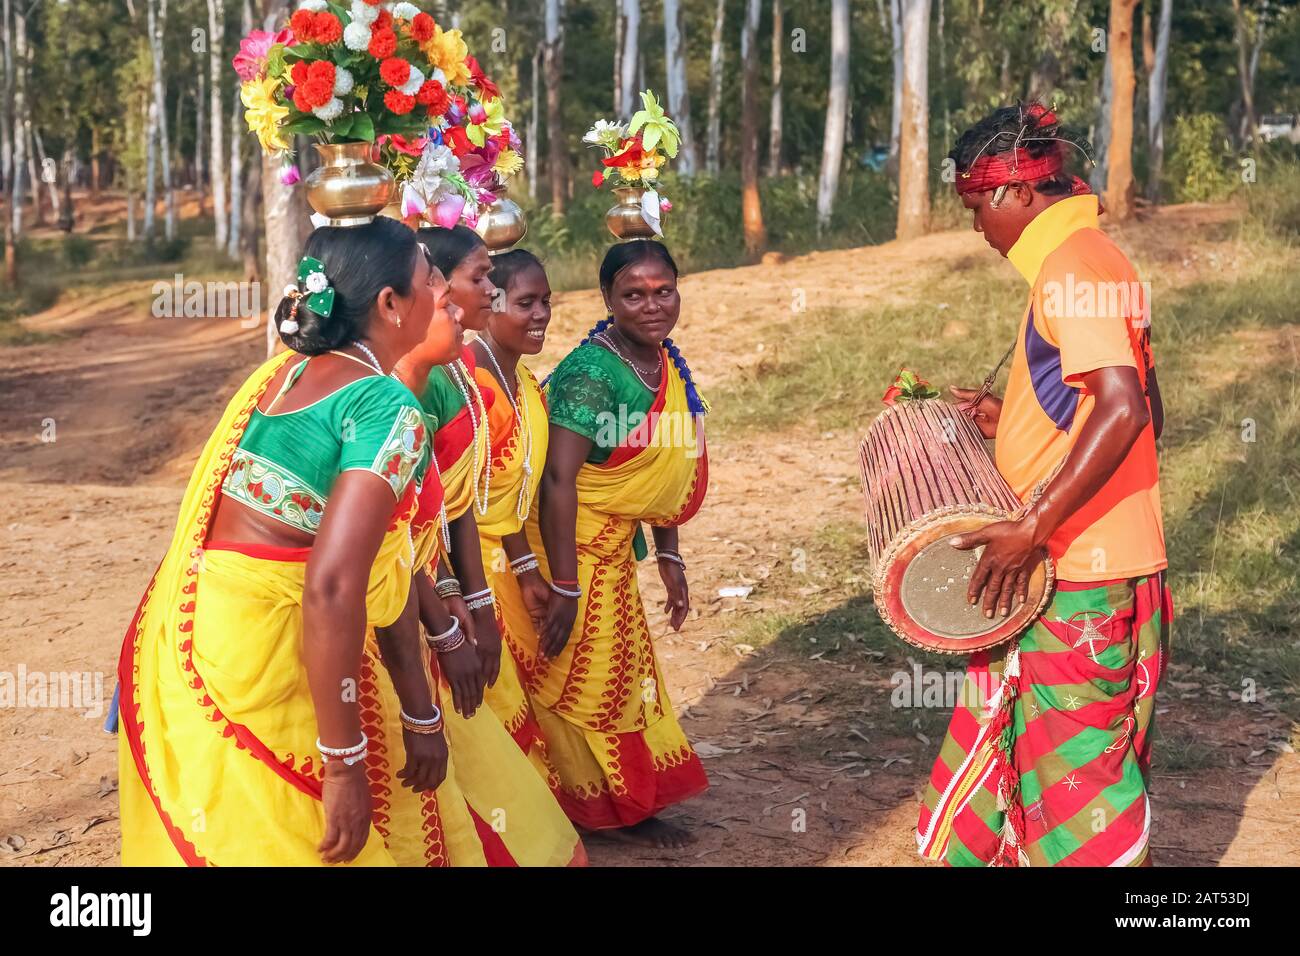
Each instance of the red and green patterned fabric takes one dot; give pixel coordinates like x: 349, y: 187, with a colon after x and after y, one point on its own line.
x: 1046, y: 759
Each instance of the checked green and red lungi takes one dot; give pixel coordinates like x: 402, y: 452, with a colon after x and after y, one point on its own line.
x: 1046, y: 759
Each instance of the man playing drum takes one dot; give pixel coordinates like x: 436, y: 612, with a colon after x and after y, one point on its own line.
x: 1046, y: 758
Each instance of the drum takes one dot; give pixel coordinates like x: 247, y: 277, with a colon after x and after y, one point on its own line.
x: 927, y: 477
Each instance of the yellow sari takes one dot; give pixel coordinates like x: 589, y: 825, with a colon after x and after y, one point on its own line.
x: 603, y: 704
x: 509, y: 480
x: 217, y: 747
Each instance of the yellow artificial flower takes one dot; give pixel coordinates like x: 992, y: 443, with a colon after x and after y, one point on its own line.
x: 447, y: 50
x: 478, y: 133
x: 263, y: 114
x: 508, y: 163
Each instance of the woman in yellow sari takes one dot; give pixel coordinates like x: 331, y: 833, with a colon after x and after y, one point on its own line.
x: 626, y: 446
x: 258, y: 724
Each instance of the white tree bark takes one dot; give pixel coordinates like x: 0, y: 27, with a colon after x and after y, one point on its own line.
x: 837, y: 104
x: 1101, y: 139
x: 631, y: 58
x: 221, y: 213
x: 200, y: 153
x: 20, y: 110
x: 679, y: 97
x: 157, y: 24
x: 914, y: 139
x: 1156, y: 102
x: 713, y: 151
x: 775, y: 119
x: 236, y: 176
x: 896, y: 111
x: 530, y: 147
x: 620, y: 24
x: 7, y: 104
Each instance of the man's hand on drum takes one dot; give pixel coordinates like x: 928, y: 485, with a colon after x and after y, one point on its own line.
x: 985, y: 414
x: 1001, y: 579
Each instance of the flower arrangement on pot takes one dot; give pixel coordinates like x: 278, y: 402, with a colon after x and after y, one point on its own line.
x: 635, y: 154
x: 393, y: 100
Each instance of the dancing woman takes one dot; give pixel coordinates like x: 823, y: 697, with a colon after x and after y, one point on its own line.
x: 626, y: 446
x: 258, y: 725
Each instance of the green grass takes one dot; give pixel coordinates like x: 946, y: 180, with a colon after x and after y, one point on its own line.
x: 1231, y: 506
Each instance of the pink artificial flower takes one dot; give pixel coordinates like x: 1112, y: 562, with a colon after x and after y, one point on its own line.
x: 289, y: 174
x: 447, y: 213
x: 477, y: 114
x: 253, y: 51
x: 665, y: 205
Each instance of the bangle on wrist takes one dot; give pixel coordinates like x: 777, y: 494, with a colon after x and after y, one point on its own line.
x: 575, y: 592
x: 447, y: 587
x: 479, y: 599
x: 523, y: 558
x: 672, y: 556
x: 432, y: 725
x: 345, y: 755
x: 448, y: 640
x: 521, y: 569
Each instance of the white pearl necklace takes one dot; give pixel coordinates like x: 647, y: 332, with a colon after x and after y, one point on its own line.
x: 459, y: 374
x: 525, y: 502
x: 609, y: 343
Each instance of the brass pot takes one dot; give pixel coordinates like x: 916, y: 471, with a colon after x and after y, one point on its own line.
x: 624, y: 218
x: 501, y: 225
x: 348, y: 188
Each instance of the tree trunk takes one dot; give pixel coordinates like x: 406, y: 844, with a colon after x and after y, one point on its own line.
x: 1246, y: 73
x: 914, y: 141
x: 837, y: 103
x: 896, y: 110
x: 679, y: 96
x: 236, y: 177
x: 250, y: 203
x: 631, y: 58
x: 1101, y: 139
x: 620, y: 24
x: 157, y: 26
x: 557, y: 152
x: 7, y: 105
x: 200, y: 120
x: 1119, y: 151
x: 49, y: 173
x: 751, y: 205
x: 530, y: 144
x: 713, y: 149
x: 221, y: 213
x: 19, y: 67
x: 1156, y: 88
x: 775, y: 120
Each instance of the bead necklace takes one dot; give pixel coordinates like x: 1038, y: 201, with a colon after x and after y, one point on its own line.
x: 459, y: 374
x: 659, y: 364
x: 373, y: 363
x: 525, y: 502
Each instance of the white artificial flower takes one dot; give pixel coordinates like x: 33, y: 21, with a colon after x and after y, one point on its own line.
x: 439, y: 76
x: 356, y: 36
x: 316, y: 282
x: 430, y: 176
x: 364, y: 13
x: 405, y: 11
x: 315, y: 6
x: 605, y: 133
x: 412, y: 85
x: 343, y: 81
x: 330, y: 111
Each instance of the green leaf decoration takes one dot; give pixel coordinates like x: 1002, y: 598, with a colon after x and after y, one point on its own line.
x: 305, y: 125
x: 363, y: 127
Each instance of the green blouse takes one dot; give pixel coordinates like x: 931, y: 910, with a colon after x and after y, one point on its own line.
x: 287, y: 462
x: 442, y: 398
x: 592, y: 392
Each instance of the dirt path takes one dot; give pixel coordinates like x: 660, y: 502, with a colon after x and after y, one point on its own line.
x: 809, y: 763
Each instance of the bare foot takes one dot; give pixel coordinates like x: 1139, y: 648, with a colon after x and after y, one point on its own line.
x: 652, y: 833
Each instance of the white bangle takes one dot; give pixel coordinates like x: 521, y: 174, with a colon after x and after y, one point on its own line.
x: 455, y: 626
x: 519, y: 569
x: 348, y: 755
x: 475, y: 604
x: 435, y: 719
x: 672, y: 556
x: 565, y: 592
x: 522, y: 558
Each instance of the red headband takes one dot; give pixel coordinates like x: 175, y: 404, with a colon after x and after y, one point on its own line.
x: 990, y: 172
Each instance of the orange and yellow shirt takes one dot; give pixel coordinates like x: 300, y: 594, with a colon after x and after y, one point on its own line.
x: 1087, y: 311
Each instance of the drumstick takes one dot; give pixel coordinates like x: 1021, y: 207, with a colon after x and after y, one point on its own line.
x: 987, y: 387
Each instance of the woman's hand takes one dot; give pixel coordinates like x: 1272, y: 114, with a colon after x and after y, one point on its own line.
x: 346, y: 797
x: 455, y: 606
x: 488, y: 644
x: 537, y: 596
x: 560, y: 614
x: 679, y: 598
x: 464, y: 675
x: 985, y: 415
x: 426, y: 761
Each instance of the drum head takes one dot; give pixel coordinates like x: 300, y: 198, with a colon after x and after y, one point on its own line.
x: 920, y: 587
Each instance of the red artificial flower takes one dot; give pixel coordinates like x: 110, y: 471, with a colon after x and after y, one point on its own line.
x: 395, y: 71
x: 323, y: 71
x: 458, y: 140
x: 300, y: 99
x: 374, y: 3
x: 383, y: 22
x: 598, y: 178
x: 299, y: 73
x: 422, y: 27
x: 382, y: 43
x: 327, y: 27
x: 316, y: 92
x: 891, y: 395
x: 398, y: 102
x: 631, y: 155
x: 489, y: 89
x: 303, y: 25
x: 432, y: 95
x: 411, y: 147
